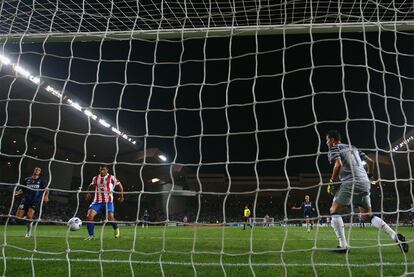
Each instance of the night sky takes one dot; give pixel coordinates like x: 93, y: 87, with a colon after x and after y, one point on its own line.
x: 263, y: 104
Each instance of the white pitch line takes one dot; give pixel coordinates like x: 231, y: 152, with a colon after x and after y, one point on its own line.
x: 204, y: 264
x: 206, y: 238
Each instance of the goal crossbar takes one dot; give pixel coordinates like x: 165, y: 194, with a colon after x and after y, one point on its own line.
x: 208, y: 32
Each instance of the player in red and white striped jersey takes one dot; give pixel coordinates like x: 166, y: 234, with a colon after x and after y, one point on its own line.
x: 104, y: 185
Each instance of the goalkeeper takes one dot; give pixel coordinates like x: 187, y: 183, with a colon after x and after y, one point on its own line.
x: 355, y: 188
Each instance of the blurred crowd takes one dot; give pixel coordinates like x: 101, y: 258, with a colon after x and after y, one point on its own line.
x: 207, y: 212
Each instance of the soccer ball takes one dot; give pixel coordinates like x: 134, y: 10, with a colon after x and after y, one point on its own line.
x: 74, y: 224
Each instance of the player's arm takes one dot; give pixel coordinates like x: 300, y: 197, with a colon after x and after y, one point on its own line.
x: 46, y: 195
x: 18, y: 192
x: 20, y: 189
x: 336, y: 169
x: 297, y: 208
x: 121, y: 192
x: 88, y: 196
x: 370, y: 164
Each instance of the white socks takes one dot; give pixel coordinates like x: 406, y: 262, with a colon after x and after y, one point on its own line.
x: 29, y: 229
x: 338, y: 225
x: 381, y: 225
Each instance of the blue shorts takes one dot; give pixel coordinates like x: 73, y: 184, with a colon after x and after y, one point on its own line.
x: 307, y: 215
x: 27, y: 204
x: 102, y: 207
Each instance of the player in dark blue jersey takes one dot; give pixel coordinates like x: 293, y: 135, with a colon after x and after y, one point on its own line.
x: 33, y: 194
x: 145, y: 219
x: 354, y: 189
x: 308, y: 208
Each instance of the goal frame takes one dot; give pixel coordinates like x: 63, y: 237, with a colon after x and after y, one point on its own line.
x: 209, y: 32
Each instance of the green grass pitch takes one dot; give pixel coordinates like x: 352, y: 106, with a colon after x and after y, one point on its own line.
x: 201, y: 251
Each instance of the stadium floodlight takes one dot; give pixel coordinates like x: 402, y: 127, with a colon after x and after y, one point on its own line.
x: 4, y: 60
x: 34, y: 80
x: 90, y: 114
x: 75, y: 105
x: 155, y: 180
x: 54, y: 92
x: 162, y: 158
x: 116, y: 131
x: 104, y: 123
x: 403, y: 143
x: 22, y: 71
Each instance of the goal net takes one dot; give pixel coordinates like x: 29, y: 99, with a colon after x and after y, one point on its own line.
x: 202, y: 109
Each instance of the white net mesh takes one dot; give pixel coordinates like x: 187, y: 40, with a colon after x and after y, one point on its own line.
x: 201, y: 108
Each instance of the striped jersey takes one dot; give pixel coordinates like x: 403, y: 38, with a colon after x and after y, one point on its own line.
x: 34, y: 189
x: 104, y: 188
x: 307, y: 207
x: 351, y: 157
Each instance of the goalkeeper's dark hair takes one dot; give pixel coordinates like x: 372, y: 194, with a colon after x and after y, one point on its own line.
x: 334, y: 134
x: 41, y: 170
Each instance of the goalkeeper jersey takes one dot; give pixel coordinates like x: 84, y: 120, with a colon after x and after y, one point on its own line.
x: 351, y: 157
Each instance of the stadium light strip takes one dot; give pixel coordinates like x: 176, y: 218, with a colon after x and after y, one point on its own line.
x: 26, y: 74
x: 405, y: 142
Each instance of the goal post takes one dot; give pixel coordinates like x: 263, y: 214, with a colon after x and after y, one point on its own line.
x: 202, y: 109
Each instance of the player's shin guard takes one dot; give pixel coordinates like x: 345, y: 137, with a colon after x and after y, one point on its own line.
x: 91, y: 228
x: 114, y: 225
x: 338, y: 225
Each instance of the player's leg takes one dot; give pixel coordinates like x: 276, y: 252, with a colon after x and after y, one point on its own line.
x: 92, y: 212
x: 21, y: 211
x: 337, y: 224
x: 111, y: 217
x: 307, y: 223
x: 366, y: 213
x: 364, y: 204
x: 342, y: 199
x: 29, y: 216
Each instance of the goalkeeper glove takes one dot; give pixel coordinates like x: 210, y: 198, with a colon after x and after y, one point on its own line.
x: 330, y: 188
x: 371, y: 178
